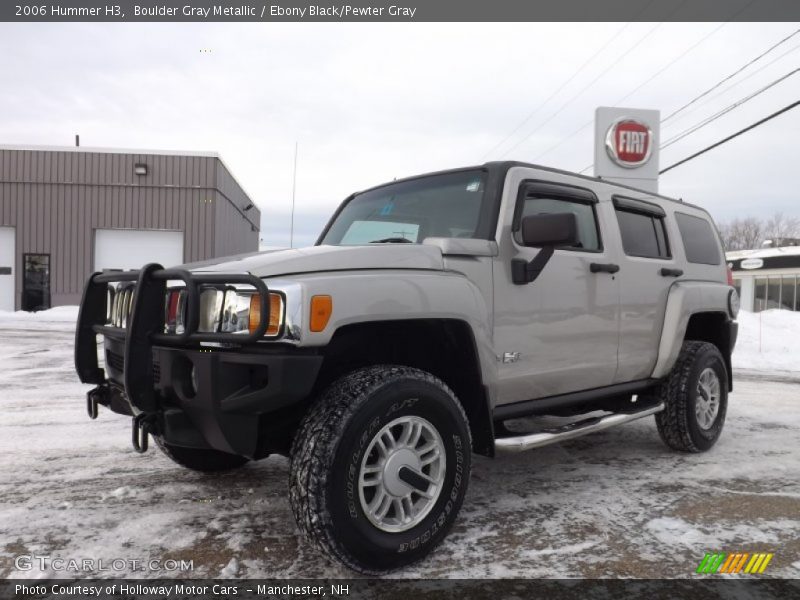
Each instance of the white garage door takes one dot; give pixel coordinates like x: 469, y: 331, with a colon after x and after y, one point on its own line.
x: 133, y: 248
x: 6, y: 268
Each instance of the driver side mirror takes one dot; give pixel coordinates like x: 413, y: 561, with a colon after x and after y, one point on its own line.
x: 546, y: 231
x: 558, y: 229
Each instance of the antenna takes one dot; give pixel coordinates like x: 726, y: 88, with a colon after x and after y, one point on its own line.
x: 294, y: 188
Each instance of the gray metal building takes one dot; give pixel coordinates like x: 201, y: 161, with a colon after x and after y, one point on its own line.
x: 66, y: 212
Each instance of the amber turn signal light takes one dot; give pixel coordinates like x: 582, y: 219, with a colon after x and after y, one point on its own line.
x: 321, y: 309
x: 275, y: 313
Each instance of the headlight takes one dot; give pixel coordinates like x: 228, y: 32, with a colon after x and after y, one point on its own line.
x: 275, y: 314
x: 241, y: 312
x: 229, y: 310
x: 210, y: 309
x: 235, y: 312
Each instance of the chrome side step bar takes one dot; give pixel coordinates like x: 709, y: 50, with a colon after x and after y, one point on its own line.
x: 519, y: 443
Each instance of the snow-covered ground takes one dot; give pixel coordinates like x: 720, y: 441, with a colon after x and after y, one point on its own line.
x: 769, y: 342
x: 615, y: 503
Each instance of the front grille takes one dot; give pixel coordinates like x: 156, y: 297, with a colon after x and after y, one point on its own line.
x: 156, y: 373
x: 115, y: 361
x: 121, y: 306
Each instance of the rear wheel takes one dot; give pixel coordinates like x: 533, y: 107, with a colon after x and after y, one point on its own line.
x: 201, y: 459
x: 695, y: 397
x: 379, y: 467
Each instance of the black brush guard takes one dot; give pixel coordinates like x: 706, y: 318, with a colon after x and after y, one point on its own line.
x: 144, y: 329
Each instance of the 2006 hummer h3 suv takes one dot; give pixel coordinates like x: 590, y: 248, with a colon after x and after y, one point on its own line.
x: 432, y: 314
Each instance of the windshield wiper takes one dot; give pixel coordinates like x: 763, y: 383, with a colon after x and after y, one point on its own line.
x: 392, y: 240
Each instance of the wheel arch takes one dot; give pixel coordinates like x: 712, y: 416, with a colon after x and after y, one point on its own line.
x: 446, y: 348
x: 696, y: 311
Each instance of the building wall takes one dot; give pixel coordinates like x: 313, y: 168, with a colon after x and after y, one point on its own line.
x: 56, y: 199
x: 768, y: 289
x: 237, y: 229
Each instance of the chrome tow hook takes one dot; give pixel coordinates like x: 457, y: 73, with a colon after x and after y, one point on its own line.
x: 143, y: 426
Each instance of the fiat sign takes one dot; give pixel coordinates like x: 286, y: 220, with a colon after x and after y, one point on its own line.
x: 629, y: 142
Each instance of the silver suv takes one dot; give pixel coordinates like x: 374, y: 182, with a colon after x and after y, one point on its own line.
x: 430, y: 316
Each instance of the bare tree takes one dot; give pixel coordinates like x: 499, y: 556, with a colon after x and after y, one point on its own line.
x: 742, y: 234
x: 780, y: 227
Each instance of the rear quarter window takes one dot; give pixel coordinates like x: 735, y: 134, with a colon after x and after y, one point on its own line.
x: 699, y: 239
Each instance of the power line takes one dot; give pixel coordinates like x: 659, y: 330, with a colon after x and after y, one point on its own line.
x: 672, y: 62
x: 730, y: 137
x: 731, y: 76
x: 727, y: 90
x: 717, y: 115
x: 575, y: 74
x: 582, y: 90
x: 554, y: 94
x: 725, y: 110
x: 723, y: 92
x: 636, y: 89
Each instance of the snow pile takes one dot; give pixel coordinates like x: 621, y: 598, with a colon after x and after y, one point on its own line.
x: 57, y: 318
x: 768, y: 341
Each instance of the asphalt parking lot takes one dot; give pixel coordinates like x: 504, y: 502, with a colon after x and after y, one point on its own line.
x: 613, y: 504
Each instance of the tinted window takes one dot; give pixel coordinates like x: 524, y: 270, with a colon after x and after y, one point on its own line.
x: 446, y: 205
x: 588, y: 239
x: 642, y: 234
x: 699, y: 239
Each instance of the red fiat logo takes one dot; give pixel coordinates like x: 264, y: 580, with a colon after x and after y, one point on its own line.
x: 629, y: 143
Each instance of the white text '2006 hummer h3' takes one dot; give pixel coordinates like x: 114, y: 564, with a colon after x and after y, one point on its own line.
x: 433, y: 313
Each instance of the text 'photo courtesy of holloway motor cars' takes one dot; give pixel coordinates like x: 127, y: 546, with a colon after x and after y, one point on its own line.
x: 435, y: 299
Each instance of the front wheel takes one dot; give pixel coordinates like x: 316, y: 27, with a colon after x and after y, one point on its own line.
x: 379, y: 467
x: 695, y: 397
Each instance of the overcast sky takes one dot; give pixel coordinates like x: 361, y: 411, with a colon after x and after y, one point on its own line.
x: 371, y: 102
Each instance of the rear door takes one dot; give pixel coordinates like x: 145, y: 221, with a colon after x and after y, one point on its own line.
x: 647, y: 270
x: 557, y: 334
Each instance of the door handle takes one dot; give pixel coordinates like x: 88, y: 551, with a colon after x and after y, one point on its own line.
x: 671, y: 272
x: 603, y: 268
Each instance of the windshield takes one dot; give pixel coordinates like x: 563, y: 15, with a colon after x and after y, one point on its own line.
x: 446, y: 205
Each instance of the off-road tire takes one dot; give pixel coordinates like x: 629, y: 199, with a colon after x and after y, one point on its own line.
x: 677, y: 423
x: 328, y: 450
x: 201, y: 459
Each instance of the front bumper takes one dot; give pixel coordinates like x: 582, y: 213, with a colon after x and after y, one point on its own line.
x: 215, y: 398
x: 188, y: 393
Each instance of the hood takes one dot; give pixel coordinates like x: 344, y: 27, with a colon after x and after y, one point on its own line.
x: 328, y: 258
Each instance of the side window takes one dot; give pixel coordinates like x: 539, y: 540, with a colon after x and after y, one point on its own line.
x: 699, y: 240
x: 642, y: 234
x: 588, y: 237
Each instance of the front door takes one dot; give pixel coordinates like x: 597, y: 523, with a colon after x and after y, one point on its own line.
x: 559, y: 333
x: 35, y: 282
